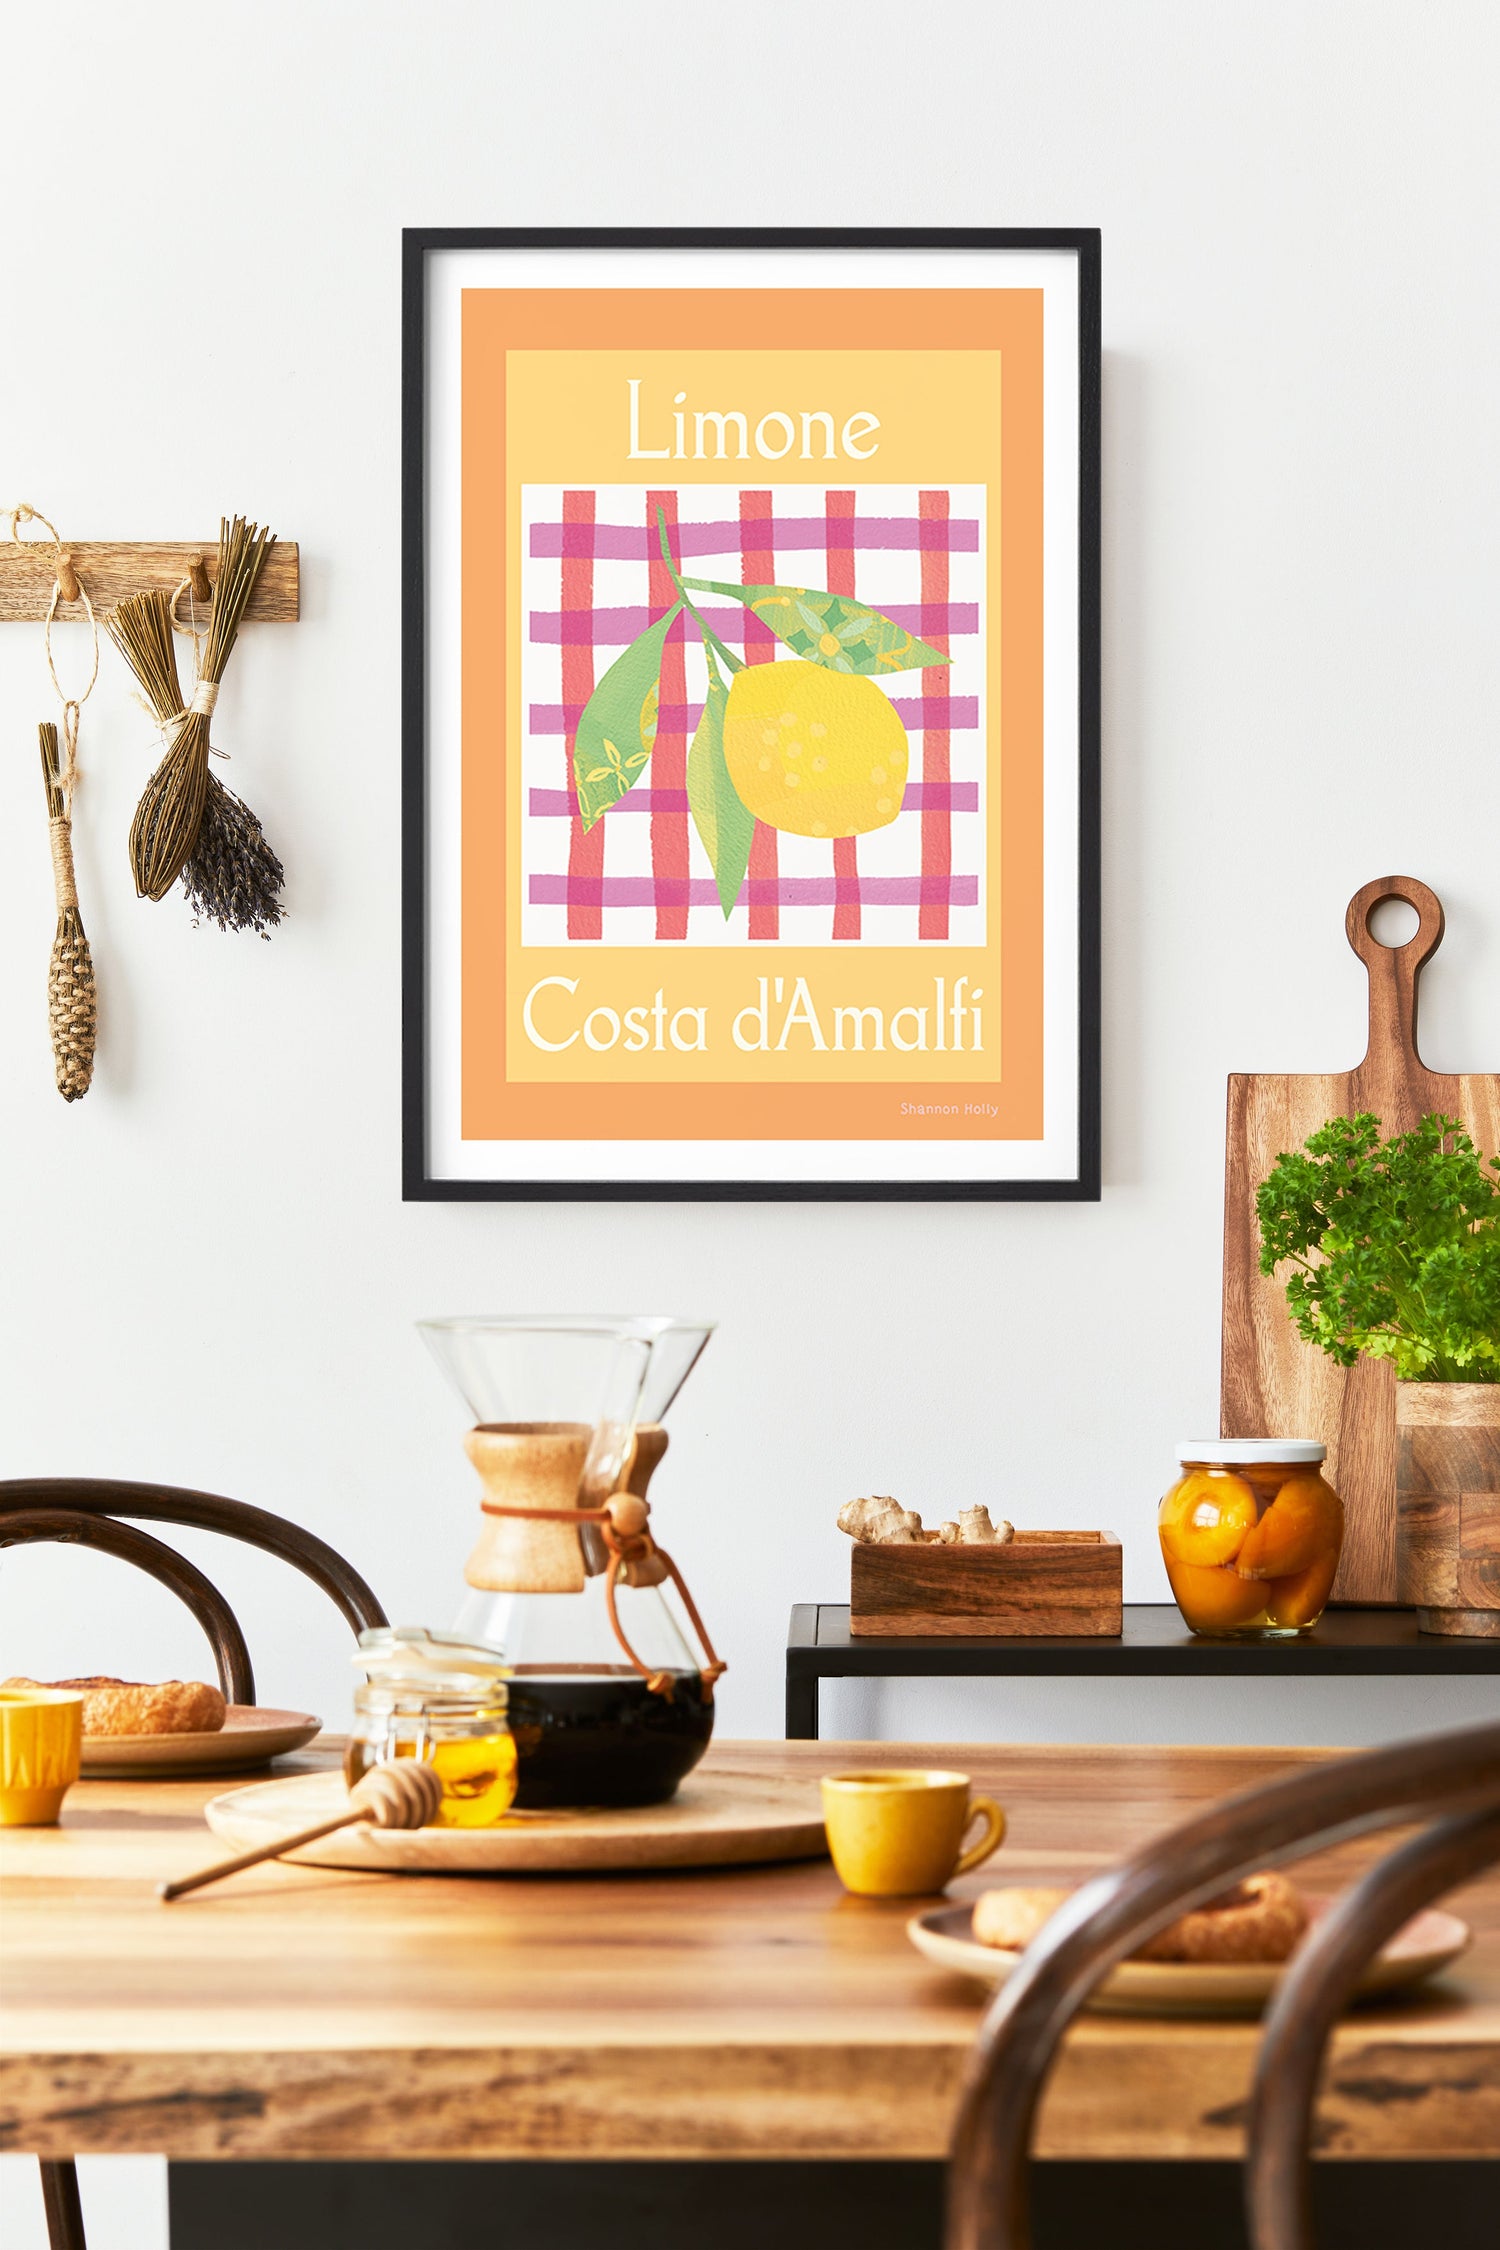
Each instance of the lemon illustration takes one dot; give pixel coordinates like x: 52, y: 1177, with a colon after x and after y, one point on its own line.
x: 816, y: 752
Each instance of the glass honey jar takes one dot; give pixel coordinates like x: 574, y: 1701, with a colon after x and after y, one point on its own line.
x: 442, y: 1699
x: 1251, y: 1534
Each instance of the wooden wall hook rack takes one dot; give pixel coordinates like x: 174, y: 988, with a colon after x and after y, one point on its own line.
x: 111, y: 569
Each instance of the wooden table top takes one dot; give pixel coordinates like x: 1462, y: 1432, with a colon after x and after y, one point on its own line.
x: 736, y: 2012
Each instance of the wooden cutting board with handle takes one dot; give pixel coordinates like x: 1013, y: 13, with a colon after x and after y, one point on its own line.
x: 1274, y: 1385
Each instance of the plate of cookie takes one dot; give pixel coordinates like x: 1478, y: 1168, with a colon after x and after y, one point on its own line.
x: 136, y: 1730
x: 1224, y: 1958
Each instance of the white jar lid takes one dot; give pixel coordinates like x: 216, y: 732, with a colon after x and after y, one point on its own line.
x: 1232, y: 1450
x: 413, y: 1656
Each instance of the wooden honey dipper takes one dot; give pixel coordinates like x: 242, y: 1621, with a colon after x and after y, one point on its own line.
x: 403, y: 1794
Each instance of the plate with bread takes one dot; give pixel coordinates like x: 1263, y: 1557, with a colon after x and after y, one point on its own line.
x: 1225, y: 1957
x: 140, y: 1729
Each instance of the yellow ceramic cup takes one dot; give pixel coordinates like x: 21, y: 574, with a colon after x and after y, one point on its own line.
x: 41, y: 1742
x: 900, y: 1834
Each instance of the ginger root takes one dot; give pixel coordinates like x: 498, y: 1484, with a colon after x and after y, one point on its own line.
x: 976, y: 1530
x: 880, y: 1521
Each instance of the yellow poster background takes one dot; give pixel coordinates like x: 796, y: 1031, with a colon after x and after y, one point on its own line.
x: 546, y: 401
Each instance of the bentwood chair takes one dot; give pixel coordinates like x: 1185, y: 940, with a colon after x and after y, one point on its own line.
x: 82, y: 1511
x: 1450, y: 1781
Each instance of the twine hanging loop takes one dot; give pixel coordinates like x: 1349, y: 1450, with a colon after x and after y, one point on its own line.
x: 68, y: 773
x: 88, y: 610
x: 67, y: 576
x: 23, y: 512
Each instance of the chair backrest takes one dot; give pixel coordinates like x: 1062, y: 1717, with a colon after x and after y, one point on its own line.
x: 1317, y: 1986
x: 84, y: 1509
x: 1110, y: 1916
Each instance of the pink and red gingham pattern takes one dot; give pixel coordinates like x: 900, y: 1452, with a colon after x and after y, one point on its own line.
x: 593, y: 580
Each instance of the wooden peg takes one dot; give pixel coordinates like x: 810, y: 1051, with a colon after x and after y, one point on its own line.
x: 628, y: 1514
x: 197, y: 571
x: 67, y: 577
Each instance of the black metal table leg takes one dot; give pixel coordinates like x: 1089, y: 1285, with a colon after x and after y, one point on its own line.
x: 801, y: 1706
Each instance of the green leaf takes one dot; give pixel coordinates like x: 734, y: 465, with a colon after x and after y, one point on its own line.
x: 829, y: 629
x: 618, y: 727
x: 719, y: 813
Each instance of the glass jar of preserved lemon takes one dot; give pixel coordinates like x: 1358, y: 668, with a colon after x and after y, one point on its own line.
x: 437, y: 1697
x: 1251, y: 1534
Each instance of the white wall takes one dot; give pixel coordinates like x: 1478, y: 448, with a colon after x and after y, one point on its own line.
x: 206, y: 1274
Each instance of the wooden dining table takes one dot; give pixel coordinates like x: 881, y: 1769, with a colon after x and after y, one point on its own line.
x: 296, y: 2012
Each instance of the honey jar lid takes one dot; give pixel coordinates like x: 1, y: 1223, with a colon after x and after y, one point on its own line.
x: 415, y: 1656
x: 1235, y: 1452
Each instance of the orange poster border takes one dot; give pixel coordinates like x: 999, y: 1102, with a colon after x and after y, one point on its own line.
x: 498, y: 320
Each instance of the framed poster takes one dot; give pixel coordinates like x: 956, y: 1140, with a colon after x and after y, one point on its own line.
x: 751, y: 713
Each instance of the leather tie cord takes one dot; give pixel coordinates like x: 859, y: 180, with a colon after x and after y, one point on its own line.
x: 628, y: 1547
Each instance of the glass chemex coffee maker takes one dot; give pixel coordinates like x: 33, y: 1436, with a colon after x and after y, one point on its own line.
x: 606, y: 1703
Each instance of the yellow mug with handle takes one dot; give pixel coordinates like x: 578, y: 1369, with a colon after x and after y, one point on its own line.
x: 41, y: 1743
x: 900, y: 1833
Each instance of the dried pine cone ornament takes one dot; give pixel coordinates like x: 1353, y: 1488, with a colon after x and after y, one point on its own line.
x: 72, y: 1001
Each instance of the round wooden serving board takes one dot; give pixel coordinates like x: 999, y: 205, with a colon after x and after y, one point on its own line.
x: 252, y: 1734
x: 724, y: 1820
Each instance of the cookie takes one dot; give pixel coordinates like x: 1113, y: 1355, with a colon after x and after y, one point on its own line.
x: 1010, y: 1918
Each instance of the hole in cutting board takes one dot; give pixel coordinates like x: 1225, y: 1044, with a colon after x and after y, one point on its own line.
x: 1394, y: 922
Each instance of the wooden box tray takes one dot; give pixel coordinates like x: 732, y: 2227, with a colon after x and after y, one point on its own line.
x: 1041, y: 1583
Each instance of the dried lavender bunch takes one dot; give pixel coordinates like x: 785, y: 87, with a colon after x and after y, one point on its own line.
x: 232, y: 875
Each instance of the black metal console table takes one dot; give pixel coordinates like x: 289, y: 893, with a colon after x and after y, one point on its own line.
x: 1155, y: 1644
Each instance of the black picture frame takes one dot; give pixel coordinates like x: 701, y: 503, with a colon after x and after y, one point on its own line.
x: 419, y: 1184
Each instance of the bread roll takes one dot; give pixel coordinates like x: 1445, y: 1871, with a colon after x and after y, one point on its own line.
x: 1261, y: 1919
x: 116, y: 1707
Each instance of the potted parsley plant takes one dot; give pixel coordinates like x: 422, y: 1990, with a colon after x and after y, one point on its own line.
x: 1394, y: 1246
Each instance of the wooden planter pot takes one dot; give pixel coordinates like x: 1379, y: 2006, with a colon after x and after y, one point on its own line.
x: 1448, y: 1505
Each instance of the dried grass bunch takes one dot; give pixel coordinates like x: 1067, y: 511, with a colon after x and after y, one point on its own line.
x: 170, y: 813
x: 187, y: 822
